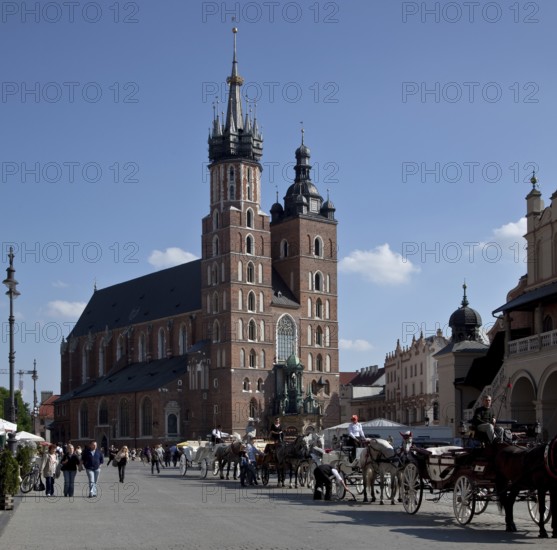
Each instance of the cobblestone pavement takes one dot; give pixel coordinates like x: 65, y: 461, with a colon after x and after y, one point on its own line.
x: 167, y: 511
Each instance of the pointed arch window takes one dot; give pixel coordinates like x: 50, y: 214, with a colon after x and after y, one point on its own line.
x: 183, y: 340
x: 310, y: 362
x: 215, y: 302
x: 172, y: 425
x: 245, y: 384
x: 260, y: 384
x: 216, y: 331
x: 250, y: 275
x: 252, y: 359
x: 249, y: 245
x: 252, y: 330
x: 240, y: 329
x: 215, y: 220
x: 319, y: 308
x: 318, y: 282
x: 284, y: 249
x: 286, y: 338
x: 240, y: 271
x: 319, y: 337
x: 102, y: 359
x: 215, y: 245
x: 249, y: 186
x: 249, y: 218
x: 242, y: 358
x: 263, y: 358
x: 251, y: 301
x: 161, y: 344
x: 547, y: 324
x: 141, y: 349
x: 318, y: 247
x: 319, y: 364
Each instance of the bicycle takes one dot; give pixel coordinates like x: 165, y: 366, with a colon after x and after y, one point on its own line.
x: 30, y: 479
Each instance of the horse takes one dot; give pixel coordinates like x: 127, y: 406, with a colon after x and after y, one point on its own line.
x: 375, y: 462
x: 291, y: 454
x: 520, y: 468
x: 229, y: 454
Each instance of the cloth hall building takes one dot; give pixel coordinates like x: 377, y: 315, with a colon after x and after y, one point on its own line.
x: 248, y: 330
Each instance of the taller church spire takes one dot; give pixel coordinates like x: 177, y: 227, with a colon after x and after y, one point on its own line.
x: 235, y: 137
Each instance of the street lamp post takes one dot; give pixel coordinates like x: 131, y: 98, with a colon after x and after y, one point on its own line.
x: 12, y: 293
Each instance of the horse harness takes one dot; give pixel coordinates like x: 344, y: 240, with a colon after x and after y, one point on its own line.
x: 549, y: 458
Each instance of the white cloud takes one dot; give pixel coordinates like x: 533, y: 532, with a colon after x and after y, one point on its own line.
x: 354, y: 345
x: 170, y: 257
x: 380, y: 265
x: 60, y: 284
x: 60, y: 309
x: 513, y: 231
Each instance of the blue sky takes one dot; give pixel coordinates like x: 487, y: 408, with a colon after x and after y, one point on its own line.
x: 425, y: 121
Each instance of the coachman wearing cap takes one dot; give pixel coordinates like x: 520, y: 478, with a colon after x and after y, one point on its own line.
x: 356, y: 436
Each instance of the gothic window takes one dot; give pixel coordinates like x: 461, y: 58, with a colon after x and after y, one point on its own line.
x: 261, y: 302
x: 319, y: 308
x: 310, y: 307
x: 253, y: 408
x: 146, y: 417
x: 286, y: 338
x: 260, y: 273
x: 84, y: 366
x: 251, y: 301
x: 124, y: 418
x: 263, y: 358
x: 249, y: 218
x: 547, y: 324
x: 318, y: 247
x: 261, y: 331
x: 319, y: 336
x: 319, y: 363
x: 242, y: 358
x: 327, y: 337
x: 161, y: 344
x: 249, y: 186
x: 318, y: 282
x: 183, y: 340
x: 215, y: 220
x: 250, y: 275
x: 215, y: 302
x: 141, y: 349
x: 252, y: 359
x: 245, y: 384
x: 260, y: 384
x: 310, y: 362
x: 252, y: 330
x: 310, y: 338
x: 240, y: 300
x: 101, y: 358
x: 328, y: 363
x: 216, y: 331
x: 249, y: 245
x: 83, y: 421
x: 214, y: 274
x: 103, y: 413
x: 240, y: 335
x: 215, y: 245
x: 240, y: 270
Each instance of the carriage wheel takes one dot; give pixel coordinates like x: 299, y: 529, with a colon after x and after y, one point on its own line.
x: 464, y: 499
x: 359, y: 483
x: 337, y: 488
x: 390, y: 486
x: 412, y: 488
x: 203, y: 468
x: 183, y: 467
x: 303, y: 473
x: 482, y: 500
x: 265, y: 474
x: 215, y: 467
x: 534, y: 508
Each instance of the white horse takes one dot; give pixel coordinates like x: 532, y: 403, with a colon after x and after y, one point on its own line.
x: 375, y: 463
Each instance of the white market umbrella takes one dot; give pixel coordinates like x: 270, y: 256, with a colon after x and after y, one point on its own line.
x: 6, y: 426
x: 26, y: 436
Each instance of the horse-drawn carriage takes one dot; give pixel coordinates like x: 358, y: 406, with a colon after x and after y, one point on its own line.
x: 472, y: 476
x: 195, y: 457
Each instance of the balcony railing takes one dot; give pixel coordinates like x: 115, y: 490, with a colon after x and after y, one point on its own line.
x: 533, y: 343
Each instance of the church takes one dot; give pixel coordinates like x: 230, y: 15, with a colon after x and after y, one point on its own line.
x: 249, y: 331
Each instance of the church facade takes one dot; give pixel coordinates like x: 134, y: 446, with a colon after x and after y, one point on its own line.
x: 249, y: 330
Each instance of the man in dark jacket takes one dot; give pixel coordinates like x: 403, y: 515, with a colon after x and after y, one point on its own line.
x: 92, y: 460
x: 484, y: 420
x: 323, y: 478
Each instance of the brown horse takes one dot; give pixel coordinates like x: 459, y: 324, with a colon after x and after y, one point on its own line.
x: 291, y: 454
x: 229, y: 454
x: 521, y: 469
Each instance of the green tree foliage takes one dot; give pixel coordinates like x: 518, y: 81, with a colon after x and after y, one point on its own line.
x: 24, y: 422
x: 9, y: 474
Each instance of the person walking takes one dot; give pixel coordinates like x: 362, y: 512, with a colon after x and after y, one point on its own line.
x: 70, y: 464
x: 155, y: 461
x: 121, y: 458
x: 92, y: 460
x: 111, y: 454
x: 48, y: 469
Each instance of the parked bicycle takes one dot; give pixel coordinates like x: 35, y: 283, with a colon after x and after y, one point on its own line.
x: 30, y: 479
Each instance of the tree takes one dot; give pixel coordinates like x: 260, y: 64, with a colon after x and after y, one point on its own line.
x: 23, y: 418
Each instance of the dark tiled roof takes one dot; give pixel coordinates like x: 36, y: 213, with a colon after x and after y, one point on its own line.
x: 133, y: 378
x: 282, y: 295
x: 466, y: 346
x: 367, y: 377
x: 166, y: 293
x: 346, y: 377
x: 529, y: 300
